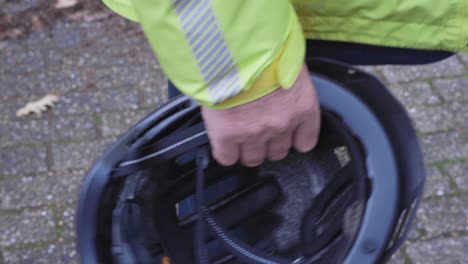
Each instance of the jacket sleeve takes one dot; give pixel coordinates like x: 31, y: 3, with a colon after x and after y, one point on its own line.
x: 222, y: 53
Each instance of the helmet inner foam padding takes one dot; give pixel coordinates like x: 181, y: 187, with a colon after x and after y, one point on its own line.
x: 301, y: 177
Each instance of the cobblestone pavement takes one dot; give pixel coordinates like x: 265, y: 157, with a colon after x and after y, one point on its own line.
x: 107, y: 79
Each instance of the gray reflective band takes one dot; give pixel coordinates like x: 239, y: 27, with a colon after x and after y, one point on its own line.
x: 209, y: 48
x: 164, y: 150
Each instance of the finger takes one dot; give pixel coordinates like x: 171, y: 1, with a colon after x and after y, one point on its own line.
x: 253, y: 154
x: 225, y: 153
x: 306, y: 135
x: 278, y: 147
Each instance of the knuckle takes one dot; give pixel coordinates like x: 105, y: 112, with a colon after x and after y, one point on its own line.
x: 226, y: 160
x: 279, y: 146
x: 278, y: 127
x: 307, y: 144
x: 227, y: 136
x: 224, y: 155
x: 249, y: 134
x: 278, y: 152
x: 308, y: 110
x: 253, y: 158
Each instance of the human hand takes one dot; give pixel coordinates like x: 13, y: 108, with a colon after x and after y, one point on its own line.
x: 266, y: 128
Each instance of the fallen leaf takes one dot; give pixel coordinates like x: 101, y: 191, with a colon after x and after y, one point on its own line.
x: 88, y: 16
x: 61, y: 4
x: 11, y: 33
x: 37, y: 24
x: 39, y: 106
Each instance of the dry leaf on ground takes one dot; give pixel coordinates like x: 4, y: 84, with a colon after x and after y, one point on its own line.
x: 39, y: 106
x: 88, y: 16
x: 61, y: 4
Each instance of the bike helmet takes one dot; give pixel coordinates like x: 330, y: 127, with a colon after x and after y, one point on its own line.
x: 157, y: 196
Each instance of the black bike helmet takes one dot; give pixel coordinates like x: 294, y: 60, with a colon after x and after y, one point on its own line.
x: 156, y: 196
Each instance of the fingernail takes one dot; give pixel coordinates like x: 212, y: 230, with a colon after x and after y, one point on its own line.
x: 279, y: 157
x: 253, y: 164
x: 305, y: 148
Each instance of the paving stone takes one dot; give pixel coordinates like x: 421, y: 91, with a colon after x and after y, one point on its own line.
x: 38, y: 41
x: 439, y: 118
x: 69, y: 253
x: 24, y: 132
x: 432, y: 119
x: 44, y: 255
x: 26, y: 227
x: 443, y: 216
x: 114, y: 124
x: 453, y: 89
x: 93, y: 58
x: 67, y: 223
x: 399, y: 73
x: 111, y: 77
x: 67, y: 35
x: 63, y: 80
x: 33, y: 191
x: 72, y: 128
x: 131, y: 45
x: 448, y: 250
x: 415, y: 231
x: 95, y: 30
x: 26, y: 61
x: 119, y: 99
x: 111, y: 100
x: 8, y: 49
x: 129, y: 48
x: 23, y: 85
x: 60, y: 58
x: 52, y: 253
x: 111, y: 28
x: 398, y: 258
x: 23, y: 160
x: 464, y: 58
x: 119, y: 77
x: 15, y: 7
x: 79, y: 155
x: 8, y: 85
x: 415, y: 93
x: 461, y: 114
x: 370, y: 69
x: 459, y: 173
x: 154, y: 96
x: 33, y: 131
x: 129, y: 42
x: 52, y: 81
x: 444, y: 146
x: 149, y: 60
x: 436, y: 183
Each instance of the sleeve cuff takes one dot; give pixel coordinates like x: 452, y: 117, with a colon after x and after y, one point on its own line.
x: 283, y: 72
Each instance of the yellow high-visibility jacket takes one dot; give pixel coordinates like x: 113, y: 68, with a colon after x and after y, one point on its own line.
x: 224, y: 53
